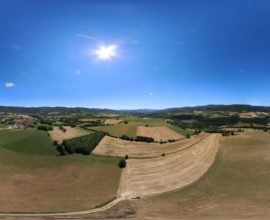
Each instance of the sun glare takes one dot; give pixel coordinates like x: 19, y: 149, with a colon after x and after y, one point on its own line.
x: 106, y: 52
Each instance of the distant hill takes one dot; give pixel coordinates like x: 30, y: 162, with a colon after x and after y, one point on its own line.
x: 14, y: 109
x: 229, y: 108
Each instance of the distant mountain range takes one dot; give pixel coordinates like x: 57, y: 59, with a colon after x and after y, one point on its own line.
x: 231, y: 108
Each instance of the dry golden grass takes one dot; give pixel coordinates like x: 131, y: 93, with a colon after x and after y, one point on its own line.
x: 158, y: 133
x: 59, y: 135
x: 112, y: 121
x: 110, y: 146
x: 235, y: 187
x: 146, y: 177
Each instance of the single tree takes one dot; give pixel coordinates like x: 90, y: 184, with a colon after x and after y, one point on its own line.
x: 122, y: 163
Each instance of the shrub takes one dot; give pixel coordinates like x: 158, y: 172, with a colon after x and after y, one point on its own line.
x: 44, y: 127
x: 62, y: 128
x: 122, y: 163
x: 188, y: 135
x: 171, y: 140
x: 125, y: 137
x: 126, y: 157
x: 198, y: 131
x: 69, y: 149
x: 144, y: 139
x: 60, y: 148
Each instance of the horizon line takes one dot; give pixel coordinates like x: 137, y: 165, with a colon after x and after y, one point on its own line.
x: 129, y: 109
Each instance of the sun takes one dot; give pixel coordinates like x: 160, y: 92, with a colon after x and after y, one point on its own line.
x: 106, y: 52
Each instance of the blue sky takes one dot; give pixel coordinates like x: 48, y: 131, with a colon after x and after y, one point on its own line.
x: 169, y: 53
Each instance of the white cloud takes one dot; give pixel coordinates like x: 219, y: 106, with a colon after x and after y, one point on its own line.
x: 77, y: 72
x: 151, y: 93
x: 9, y: 84
x: 86, y: 37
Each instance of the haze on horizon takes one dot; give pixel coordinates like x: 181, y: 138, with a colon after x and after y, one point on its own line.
x: 134, y: 54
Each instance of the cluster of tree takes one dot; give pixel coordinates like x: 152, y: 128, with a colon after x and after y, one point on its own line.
x: 200, y: 122
x: 81, y: 145
x: 43, y: 119
x: 197, y: 131
x: 227, y: 133
x: 92, y: 124
x: 221, y: 131
x: 171, y: 140
x: 125, y: 137
x: 69, y: 121
x: 265, y: 129
x: 144, y: 139
x: 44, y: 127
x: 62, y: 128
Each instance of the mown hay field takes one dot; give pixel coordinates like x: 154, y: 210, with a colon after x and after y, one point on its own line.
x: 144, y: 177
x: 59, y: 135
x: 112, y: 121
x: 130, y: 129
x: 161, y: 133
x: 235, y: 187
x: 110, y: 146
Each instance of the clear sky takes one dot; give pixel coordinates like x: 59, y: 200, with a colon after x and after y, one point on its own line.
x: 156, y: 54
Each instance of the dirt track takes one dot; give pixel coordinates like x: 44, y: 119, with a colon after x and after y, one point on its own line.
x: 110, y: 146
x: 158, y: 133
x: 163, y: 174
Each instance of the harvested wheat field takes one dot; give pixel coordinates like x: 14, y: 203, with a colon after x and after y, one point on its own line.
x: 235, y: 187
x: 58, y: 135
x: 110, y: 146
x: 146, y: 177
x: 158, y: 133
x: 112, y: 121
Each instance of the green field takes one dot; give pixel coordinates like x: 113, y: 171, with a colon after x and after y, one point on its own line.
x: 31, y: 171
x: 27, y: 141
x: 130, y: 129
x: 182, y: 131
x: 2, y: 126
